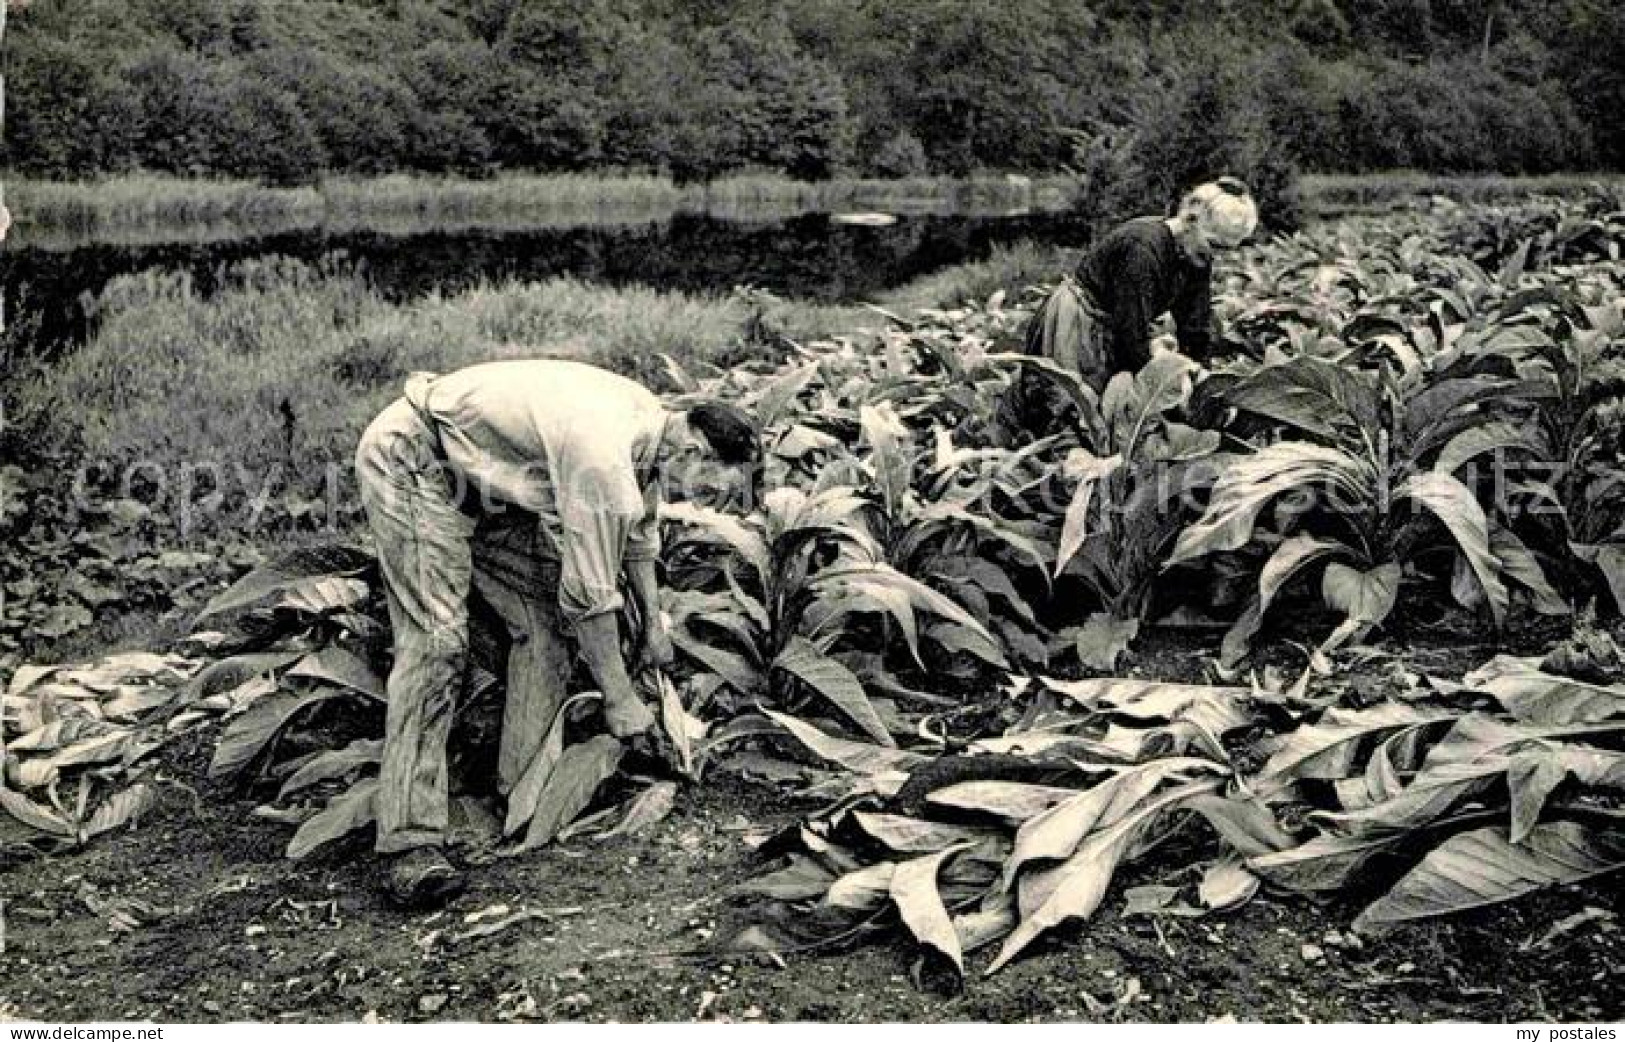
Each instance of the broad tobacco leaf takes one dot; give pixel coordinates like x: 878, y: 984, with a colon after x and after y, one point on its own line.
x: 1542, y: 698
x: 334, y: 763
x: 914, y: 892
x: 1291, y: 557
x: 335, y: 560
x: 120, y: 809
x: 1317, y: 396
x: 906, y: 835
x: 1132, y: 404
x: 1326, y: 862
x: 864, y: 889
x: 1365, y: 597
x: 1055, y: 833
x: 1498, y: 436
x: 888, y: 767
x: 1518, y: 563
x: 347, y: 811
x: 1329, y: 748
x: 35, y: 816
x: 1429, y: 796
x: 323, y: 595
x: 251, y: 733
x: 995, y: 919
x: 706, y: 524
x: 340, y: 668
x: 890, y: 455
x: 1249, y: 483
x: 1226, y: 884
x: 1089, y: 470
x: 1015, y: 802
x: 581, y: 769
x: 527, y: 791
x: 1075, y: 888
x: 1484, y: 867
x: 1453, y: 504
x: 802, y: 660
x: 1217, y: 709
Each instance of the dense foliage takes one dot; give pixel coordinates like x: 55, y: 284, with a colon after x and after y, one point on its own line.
x: 1421, y: 413
x: 1142, y: 96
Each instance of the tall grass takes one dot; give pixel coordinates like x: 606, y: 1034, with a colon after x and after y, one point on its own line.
x: 556, y: 196
x: 140, y: 201
x: 1331, y: 194
x: 1009, y: 268
x: 145, y: 207
x: 267, y: 383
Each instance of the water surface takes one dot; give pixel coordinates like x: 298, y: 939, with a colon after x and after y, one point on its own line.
x: 49, y: 291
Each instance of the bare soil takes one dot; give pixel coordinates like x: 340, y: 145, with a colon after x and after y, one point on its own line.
x: 196, y: 916
x: 199, y: 917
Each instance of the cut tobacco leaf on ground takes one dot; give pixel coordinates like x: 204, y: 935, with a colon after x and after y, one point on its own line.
x: 570, y: 787
x: 1541, y: 698
x: 1225, y: 885
x: 333, y: 764
x: 914, y: 891
x: 348, y: 811
x: 121, y: 809
x: 647, y: 809
x: 1484, y: 867
x: 885, y: 765
x: 906, y: 835
x: 252, y: 732
x: 527, y: 792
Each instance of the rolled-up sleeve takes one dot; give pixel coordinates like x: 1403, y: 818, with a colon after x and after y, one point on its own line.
x: 599, y: 507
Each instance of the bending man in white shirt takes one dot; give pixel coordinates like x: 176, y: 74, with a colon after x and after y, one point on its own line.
x: 582, y: 449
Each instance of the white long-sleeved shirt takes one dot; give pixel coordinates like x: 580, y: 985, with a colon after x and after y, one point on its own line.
x: 569, y: 442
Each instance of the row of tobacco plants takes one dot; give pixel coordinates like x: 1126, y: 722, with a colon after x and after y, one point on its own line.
x: 1416, y: 411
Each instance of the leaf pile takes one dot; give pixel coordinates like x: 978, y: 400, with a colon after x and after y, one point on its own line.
x: 1461, y: 795
x: 78, y: 742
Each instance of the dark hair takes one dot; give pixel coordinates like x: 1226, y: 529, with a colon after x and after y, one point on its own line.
x: 729, y: 430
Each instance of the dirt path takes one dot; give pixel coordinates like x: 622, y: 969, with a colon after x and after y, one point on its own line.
x: 198, y: 917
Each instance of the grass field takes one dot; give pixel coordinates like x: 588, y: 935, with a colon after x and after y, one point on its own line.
x: 267, y: 383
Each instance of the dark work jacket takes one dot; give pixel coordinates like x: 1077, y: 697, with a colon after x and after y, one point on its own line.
x: 1135, y: 274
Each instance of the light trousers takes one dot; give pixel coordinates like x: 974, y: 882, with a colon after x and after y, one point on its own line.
x: 431, y: 555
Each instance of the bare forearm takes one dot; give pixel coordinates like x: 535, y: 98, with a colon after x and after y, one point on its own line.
x: 600, y: 640
x: 640, y: 576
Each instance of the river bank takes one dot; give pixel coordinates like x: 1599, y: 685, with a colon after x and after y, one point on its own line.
x: 140, y: 208
x: 144, y: 208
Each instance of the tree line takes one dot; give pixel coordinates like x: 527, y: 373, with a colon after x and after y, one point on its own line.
x: 1137, y: 96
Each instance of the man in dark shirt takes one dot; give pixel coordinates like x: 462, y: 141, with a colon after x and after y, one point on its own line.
x: 1098, y: 321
